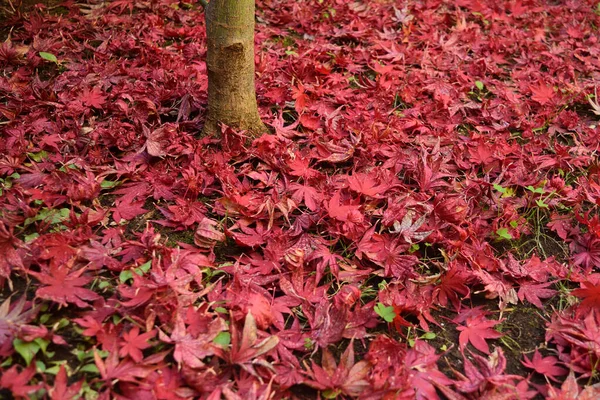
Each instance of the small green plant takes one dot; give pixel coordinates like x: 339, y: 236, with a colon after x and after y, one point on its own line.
x: 385, y: 312
x: 503, y: 233
x: 48, y: 57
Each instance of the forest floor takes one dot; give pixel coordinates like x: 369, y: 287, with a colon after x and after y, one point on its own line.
x: 422, y: 221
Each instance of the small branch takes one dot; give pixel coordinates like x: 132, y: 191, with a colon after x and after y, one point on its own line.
x: 204, y: 3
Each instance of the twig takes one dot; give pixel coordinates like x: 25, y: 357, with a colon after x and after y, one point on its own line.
x: 204, y: 3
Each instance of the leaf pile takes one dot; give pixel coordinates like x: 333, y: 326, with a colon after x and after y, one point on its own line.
x: 433, y: 166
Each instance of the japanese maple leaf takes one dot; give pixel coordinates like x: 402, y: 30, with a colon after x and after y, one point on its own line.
x: 586, y: 251
x: 260, y: 306
x: 408, y: 229
x: 341, y: 212
x: 534, y: 292
x: 92, y: 326
x: 300, y: 96
x: 570, y: 391
x: 112, y: 369
x: 250, y: 237
x: 335, y: 152
x: 482, y: 154
x: 184, y: 213
x: 589, y: 293
x: 278, y: 123
x: 128, y: 210
x: 208, y: 233
x: 133, y: 343
x: 247, y: 347
x: 443, y: 92
x: 17, y: 382
x: 326, y: 259
x: 347, y: 377
x: 99, y: 256
x: 309, y: 194
x: 93, y: 98
x: 300, y: 166
x: 544, y: 365
x: 367, y: 185
x: 8, y: 254
x: 302, y: 287
x: 483, y: 374
x: 159, y: 139
x: 476, y: 331
x: 59, y: 390
x: 328, y: 323
x: 421, y: 362
x: 11, y: 320
x: 64, y: 286
x: 191, y: 350
x: 580, y: 330
x: 58, y: 248
x: 452, y: 287
x: 541, y: 93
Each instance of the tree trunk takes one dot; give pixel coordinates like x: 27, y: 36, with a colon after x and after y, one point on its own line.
x: 230, y: 64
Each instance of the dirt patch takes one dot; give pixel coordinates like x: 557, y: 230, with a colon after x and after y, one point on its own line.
x: 523, y: 328
x: 446, y: 340
x: 25, y: 6
x: 20, y: 286
x: 545, y: 244
x: 173, y: 237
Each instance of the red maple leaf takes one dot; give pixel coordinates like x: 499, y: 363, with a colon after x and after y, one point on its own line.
x: 17, y: 382
x: 534, y: 292
x: 328, y: 323
x: 64, y: 286
x: 8, y: 254
x: 93, y: 98
x: 250, y: 237
x: 590, y: 293
x: 484, y: 374
x: 482, y: 154
x: 569, y: 390
x: 302, y: 287
x: 92, y: 326
x: 208, y: 233
x: 246, y: 347
x: 59, y: 390
x: 542, y: 93
x: 476, y: 331
x: 300, y: 166
x: 367, y: 185
x: 11, y: 320
x: 133, y: 343
x: 452, y: 287
x: 544, y: 365
x: 347, y: 377
x: 309, y: 194
x: 343, y: 212
x: 128, y: 210
x: 112, y: 369
x: 301, y: 98
x: 586, y: 251
x: 191, y: 350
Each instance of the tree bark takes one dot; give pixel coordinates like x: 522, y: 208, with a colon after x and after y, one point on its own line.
x: 230, y: 65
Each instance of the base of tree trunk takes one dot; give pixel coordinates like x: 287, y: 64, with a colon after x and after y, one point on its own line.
x: 254, y: 127
x: 230, y: 67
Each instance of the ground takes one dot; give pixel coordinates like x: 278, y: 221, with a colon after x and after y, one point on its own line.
x: 420, y: 222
